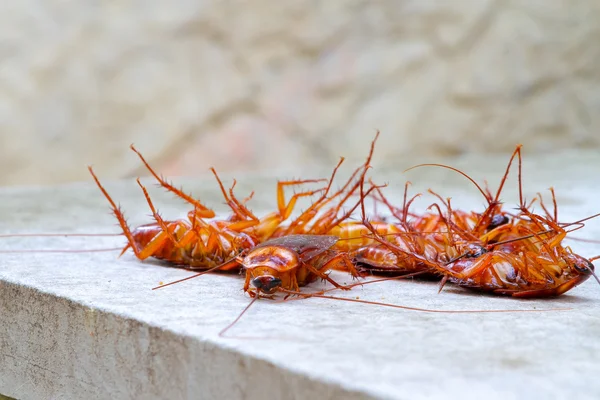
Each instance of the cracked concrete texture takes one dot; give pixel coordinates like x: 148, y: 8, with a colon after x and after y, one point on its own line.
x: 87, y: 325
x: 257, y: 86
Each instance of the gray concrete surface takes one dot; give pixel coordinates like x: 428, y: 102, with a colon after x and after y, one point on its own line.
x: 87, y: 325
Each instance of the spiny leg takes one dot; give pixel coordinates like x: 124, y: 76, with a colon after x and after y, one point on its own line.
x: 333, y: 212
x: 483, y: 221
x: 213, y: 243
x: 486, y: 187
x: 120, y: 217
x: 554, y: 204
x: 200, y: 209
x: 285, y: 210
x: 324, y: 276
x: 242, y: 204
x: 188, y: 237
x: 240, y: 210
x: 439, y: 197
x: 405, y: 204
x: 492, y: 202
x: 555, y: 208
x: 348, y: 213
x: 359, y: 184
x: 312, y: 210
x: 364, y: 168
x: 465, y: 234
x: 503, y: 181
x: 330, y: 214
x: 342, y: 262
x: 477, y: 266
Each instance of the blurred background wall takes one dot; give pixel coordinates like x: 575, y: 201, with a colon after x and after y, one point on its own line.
x: 267, y: 85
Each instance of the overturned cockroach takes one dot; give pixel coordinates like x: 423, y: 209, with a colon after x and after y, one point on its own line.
x: 522, y: 257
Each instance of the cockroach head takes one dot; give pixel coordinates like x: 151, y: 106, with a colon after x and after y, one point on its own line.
x: 473, y: 250
x: 582, y: 265
x: 266, y: 284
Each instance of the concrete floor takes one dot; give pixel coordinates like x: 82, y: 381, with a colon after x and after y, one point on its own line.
x: 87, y: 325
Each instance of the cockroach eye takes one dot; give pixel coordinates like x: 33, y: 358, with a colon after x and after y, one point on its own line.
x: 474, y: 251
x: 266, y: 283
x: 498, y: 220
x: 583, y: 266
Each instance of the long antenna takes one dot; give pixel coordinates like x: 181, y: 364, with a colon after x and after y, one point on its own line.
x: 228, y: 327
x: 8, y: 235
x: 417, y: 308
x: 61, y: 251
x: 196, y: 275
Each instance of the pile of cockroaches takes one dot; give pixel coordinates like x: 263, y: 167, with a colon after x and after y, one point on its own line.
x: 518, y: 254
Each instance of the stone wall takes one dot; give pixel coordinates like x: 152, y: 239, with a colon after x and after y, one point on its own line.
x: 265, y: 84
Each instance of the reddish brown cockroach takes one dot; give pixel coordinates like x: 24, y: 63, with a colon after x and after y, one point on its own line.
x: 522, y: 257
x: 293, y: 261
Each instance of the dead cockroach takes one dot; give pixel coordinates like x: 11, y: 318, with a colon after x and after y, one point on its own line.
x: 193, y: 243
x: 521, y: 258
x: 292, y: 261
x: 532, y: 266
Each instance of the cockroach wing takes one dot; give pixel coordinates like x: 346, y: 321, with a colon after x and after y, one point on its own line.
x: 307, y: 246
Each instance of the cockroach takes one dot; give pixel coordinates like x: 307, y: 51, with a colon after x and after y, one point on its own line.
x: 293, y: 261
x: 523, y: 258
x: 527, y: 267
x: 534, y: 268
x: 193, y: 243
